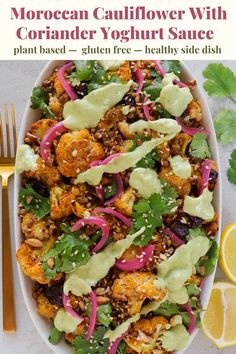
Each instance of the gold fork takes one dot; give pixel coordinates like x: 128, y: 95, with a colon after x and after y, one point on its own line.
x: 7, y: 165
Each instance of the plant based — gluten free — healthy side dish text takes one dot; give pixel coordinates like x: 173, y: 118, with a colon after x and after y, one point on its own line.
x: 116, y: 206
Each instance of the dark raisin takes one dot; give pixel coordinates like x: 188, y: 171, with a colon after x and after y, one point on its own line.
x: 40, y: 188
x: 179, y: 228
x: 212, y: 180
x: 195, y: 221
x: 128, y: 100
x: 54, y: 294
x: 81, y: 89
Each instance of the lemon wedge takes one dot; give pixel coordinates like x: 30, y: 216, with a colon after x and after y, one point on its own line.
x: 227, y: 258
x: 219, y: 321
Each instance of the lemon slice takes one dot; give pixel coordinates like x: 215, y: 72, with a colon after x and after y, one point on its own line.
x: 219, y: 321
x: 228, y: 251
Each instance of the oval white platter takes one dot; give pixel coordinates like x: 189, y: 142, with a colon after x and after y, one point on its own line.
x: 30, y: 116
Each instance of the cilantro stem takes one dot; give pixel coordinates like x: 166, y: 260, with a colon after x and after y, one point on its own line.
x: 232, y: 99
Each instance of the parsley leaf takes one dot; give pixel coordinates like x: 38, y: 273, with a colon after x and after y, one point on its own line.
x: 225, y: 126
x: 32, y: 201
x: 221, y: 81
x: 69, y: 252
x: 231, y: 173
x: 206, y: 265
x: 199, y: 146
x: 96, y: 345
x: 148, y: 213
x: 103, y: 314
x: 199, y: 231
x: 40, y: 99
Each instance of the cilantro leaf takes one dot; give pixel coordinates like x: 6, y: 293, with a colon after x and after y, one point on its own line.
x: 96, y: 345
x: 231, y: 173
x: 225, y: 126
x: 121, y: 348
x: 40, y: 99
x: 168, y: 310
x: 148, y: 213
x: 193, y: 290
x: 84, y: 70
x: 206, y: 265
x: 199, y: 146
x: 151, y: 158
x: 199, y: 231
x: 93, y: 73
x: 32, y: 201
x: 221, y: 81
x: 171, y: 66
x: 103, y: 314
x: 69, y: 252
x: 110, y: 191
x: 154, y: 89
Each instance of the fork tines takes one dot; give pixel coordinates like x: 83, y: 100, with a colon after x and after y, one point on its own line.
x: 9, y: 131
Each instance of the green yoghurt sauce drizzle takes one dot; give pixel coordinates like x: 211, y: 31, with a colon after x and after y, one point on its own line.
x: 127, y: 160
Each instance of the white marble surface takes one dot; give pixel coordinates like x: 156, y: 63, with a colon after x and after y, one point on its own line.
x: 17, y: 79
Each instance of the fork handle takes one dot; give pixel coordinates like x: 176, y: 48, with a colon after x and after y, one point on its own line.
x: 9, y: 321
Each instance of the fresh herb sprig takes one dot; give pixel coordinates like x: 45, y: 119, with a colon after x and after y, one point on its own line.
x: 232, y: 167
x: 70, y: 251
x: 96, y: 345
x: 34, y: 202
x: 148, y: 213
x: 221, y: 83
x: 40, y: 99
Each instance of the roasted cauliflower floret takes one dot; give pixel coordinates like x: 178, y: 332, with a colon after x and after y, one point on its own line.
x: 29, y: 260
x: 75, y: 151
x: 179, y: 144
x: 182, y: 186
x: 62, y: 199
x: 40, y: 127
x: 71, y: 336
x: 39, y: 229
x: 151, y: 326
x: 134, y: 288
x: 194, y: 110
x: 124, y: 204
x: 48, y: 174
x: 124, y: 71
x: 55, y: 105
x: 45, y: 308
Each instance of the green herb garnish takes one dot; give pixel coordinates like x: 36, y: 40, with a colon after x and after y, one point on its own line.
x: 206, y: 265
x: 70, y: 251
x: 225, y: 126
x: 231, y: 173
x: 199, y: 146
x: 96, y: 345
x: 34, y: 202
x: 221, y: 81
x: 55, y: 336
x: 148, y: 213
x: 40, y: 99
x: 103, y: 314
